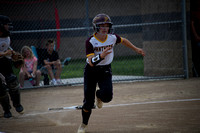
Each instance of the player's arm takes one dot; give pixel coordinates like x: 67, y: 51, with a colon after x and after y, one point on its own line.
x: 128, y: 44
x: 89, y: 59
x: 7, y: 53
x: 2, y: 54
x: 94, y: 60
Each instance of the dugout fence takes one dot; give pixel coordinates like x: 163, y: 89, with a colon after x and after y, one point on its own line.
x: 157, y: 26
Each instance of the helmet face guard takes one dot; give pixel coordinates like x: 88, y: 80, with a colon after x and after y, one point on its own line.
x: 4, y: 20
x: 102, y: 19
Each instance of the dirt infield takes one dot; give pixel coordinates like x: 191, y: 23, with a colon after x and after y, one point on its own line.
x: 137, y: 107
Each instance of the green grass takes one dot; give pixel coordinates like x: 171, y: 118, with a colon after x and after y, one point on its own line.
x: 120, y: 66
x: 73, y: 69
x: 131, y: 65
x: 128, y: 66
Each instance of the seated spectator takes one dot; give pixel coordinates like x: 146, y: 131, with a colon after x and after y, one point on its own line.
x: 29, y: 70
x: 52, y: 63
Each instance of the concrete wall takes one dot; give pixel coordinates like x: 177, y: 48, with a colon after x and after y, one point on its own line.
x: 164, y: 58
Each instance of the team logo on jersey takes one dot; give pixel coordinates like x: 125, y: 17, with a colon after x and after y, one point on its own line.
x: 98, y: 49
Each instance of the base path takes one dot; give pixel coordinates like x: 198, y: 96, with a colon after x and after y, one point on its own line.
x: 171, y: 106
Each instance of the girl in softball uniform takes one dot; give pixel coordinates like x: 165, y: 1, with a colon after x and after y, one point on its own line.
x: 99, y: 53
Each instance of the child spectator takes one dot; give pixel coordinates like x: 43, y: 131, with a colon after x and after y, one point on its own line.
x: 29, y: 71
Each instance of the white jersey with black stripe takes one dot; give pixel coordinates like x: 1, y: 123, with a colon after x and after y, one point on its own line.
x: 94, y: 46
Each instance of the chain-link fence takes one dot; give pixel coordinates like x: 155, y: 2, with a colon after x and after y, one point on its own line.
x: 154, y: 25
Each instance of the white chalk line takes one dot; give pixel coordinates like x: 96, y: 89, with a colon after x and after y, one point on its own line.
x: 71, y: 108
x: 152, y: 102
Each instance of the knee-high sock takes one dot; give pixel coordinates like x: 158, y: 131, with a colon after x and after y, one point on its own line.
x: 86, y: 116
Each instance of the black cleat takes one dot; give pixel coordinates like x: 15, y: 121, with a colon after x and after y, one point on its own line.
x: 19, y: 109
x: 7, y: 114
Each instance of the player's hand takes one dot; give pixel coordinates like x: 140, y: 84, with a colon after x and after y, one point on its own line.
x: 106, y: 52
x: 140, y: 51
x: 8, y: 52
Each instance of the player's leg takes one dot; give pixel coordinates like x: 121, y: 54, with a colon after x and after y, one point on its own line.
x: 90, y: 83
x: 105, y: 93
x: 4, y: 99
x: 89, y: 97
x: 14, y: 91
x: 11, y: 83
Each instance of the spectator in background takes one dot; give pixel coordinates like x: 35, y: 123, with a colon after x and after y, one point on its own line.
x: 52, y: 63
x: 29, y: 71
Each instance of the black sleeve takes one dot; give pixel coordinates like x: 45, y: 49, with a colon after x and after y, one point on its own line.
x: 119, y: 39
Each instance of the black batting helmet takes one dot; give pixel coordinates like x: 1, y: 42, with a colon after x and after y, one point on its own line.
x: 102, y: 19
x: 4, y: 20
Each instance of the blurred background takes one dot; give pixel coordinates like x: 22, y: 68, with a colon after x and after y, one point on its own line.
x: 157, y: 26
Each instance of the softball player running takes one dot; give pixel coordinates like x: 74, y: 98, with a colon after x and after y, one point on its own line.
x: 99, y: 53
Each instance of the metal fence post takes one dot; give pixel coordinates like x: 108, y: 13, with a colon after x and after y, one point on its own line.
x: 87, y: 17
x: 184, y: 35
